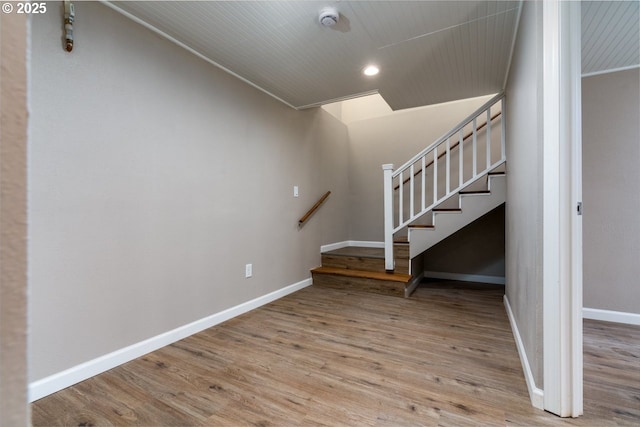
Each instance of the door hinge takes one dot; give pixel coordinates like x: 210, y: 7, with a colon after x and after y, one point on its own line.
x: 579, y: 208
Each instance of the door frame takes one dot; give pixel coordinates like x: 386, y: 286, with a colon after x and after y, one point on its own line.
x: 562, y: 223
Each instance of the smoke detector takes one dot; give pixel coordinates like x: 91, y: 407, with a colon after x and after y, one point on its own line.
x: 329, y: 16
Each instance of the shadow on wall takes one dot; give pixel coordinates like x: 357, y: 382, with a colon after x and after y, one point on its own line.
x: 475, y: 250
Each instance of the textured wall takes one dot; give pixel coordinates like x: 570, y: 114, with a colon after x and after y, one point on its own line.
x: 13, y: 221
x: 524, y: 185
x: 154, y: 178
x: 611, y: 190
x: 476, y: 249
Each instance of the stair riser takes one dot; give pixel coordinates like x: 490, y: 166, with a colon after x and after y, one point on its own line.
x: 353, y: 263
x: 401, y: 251
x: 402, y: 265
x: 360, y: 284
x: 365, y: 264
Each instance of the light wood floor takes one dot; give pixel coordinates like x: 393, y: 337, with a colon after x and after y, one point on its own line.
x: 321, y: 356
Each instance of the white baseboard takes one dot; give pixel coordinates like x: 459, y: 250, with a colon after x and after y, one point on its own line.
x: 56, y: 382
x: 497, y: 280
x: 535, y: 394
x: 346, y: 243
x: 611, y: 316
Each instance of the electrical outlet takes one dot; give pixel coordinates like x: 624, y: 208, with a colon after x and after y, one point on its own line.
x: 248, y: 270
x: 295, y: 191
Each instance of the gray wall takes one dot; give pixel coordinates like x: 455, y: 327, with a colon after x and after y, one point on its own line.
x: 14, y: 410
x: 393, y: 138
x: 611, y: 190
x: 524, y: 185
x: 154, y: 177
x: 477, y: 249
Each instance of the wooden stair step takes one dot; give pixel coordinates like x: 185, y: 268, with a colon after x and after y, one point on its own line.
x: 475, y: 192
x: 496, y: 173
x: 422, y: 226
x: 357, y: 251
x: 384, y: 283
x: 447, y: 210
x: 366, y: 258
x: 375, y: 275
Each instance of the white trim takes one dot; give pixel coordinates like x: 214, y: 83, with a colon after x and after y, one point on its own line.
x: 561, y: 246
x: 496, y: 280
x: 611, y: 70
x: 334, y: 246
x: 513, y: 49
x: 193, y: 51
x: 341, y: 99
x: 575, y: 306
x: 46, y: 386
x: 366, y: 244
x: 552, y: 327
x: 611, y: 316
x: 535, y: 394
x: 347, y: 243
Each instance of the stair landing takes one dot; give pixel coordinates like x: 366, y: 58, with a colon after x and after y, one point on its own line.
x: 369, y: 259
x: 363, y: 269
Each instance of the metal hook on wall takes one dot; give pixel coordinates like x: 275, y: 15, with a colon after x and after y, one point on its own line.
x: 69, y: 17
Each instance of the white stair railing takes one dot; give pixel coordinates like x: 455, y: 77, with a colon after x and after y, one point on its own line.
x: 445, y: 167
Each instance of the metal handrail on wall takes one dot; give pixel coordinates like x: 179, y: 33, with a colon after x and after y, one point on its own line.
x: 430, y: 157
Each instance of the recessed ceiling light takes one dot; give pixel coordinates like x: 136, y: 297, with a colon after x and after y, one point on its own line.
x: 371, y: 70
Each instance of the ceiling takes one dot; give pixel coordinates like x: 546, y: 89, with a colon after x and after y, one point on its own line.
x: 427, y: 51
x: 610, y: 35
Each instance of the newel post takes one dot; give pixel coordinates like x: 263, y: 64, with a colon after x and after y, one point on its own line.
x: 389, y: 263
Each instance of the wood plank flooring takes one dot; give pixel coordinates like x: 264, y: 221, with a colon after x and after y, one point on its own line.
x: 330, y: 357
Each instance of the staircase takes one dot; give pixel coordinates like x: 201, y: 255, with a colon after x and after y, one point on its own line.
x: 449, y: 184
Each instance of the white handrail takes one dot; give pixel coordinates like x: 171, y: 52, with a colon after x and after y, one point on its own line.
x: 449, y: 134
x: 392, y: 226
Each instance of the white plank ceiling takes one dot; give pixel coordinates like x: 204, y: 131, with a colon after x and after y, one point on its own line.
x: 428, y: 51
x: 610, y: 35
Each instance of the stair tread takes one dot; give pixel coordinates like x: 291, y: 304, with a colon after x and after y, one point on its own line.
x: 447, y: 210
x: 422, y: 226
x: 357, y: 251
x: 378, y: 275
x: 496, y: 173
x: 476, y: 192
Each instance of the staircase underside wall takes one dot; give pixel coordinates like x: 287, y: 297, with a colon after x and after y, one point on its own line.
x: 476, y: 249
x: 445, y: 224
